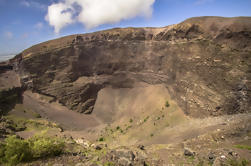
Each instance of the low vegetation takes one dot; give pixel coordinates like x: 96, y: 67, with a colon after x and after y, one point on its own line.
x: 15, y: 150
x: 241, y: 162
x: 167, y: 104
x: 101, y: 139
x: 243, y: 147
x: 146, y: 118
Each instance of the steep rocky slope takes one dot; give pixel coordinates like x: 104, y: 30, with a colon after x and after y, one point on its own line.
x: 140, y: 91
x: 203, y: 62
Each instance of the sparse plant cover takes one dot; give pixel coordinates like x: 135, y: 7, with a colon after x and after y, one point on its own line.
x: 109, y: 163
x: 146, y: 118
x: 241, y: 162
x: 243, y: 147
x: 131, y: 120
x: 128, y: 127
x: 151, y: 134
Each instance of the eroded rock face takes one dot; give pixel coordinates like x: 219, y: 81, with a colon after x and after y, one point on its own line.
x: 204, y: 62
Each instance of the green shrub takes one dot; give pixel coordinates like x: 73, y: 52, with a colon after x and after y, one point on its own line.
x: 45, y: 146
x: 16, y: 151
x: 131, y: 120
x: 101, y: 139
x: 2, y: 150
x: 167, y: 104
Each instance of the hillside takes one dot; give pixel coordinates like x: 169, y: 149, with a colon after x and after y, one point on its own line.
x: 168, y: 88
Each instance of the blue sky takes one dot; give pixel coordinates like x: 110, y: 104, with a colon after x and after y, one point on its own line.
x: 23, y: 23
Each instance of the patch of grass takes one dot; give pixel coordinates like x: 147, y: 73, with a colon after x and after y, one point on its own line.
x: 190, y: 159
x: 243, y: 147
x: 32, y: 124
x: 241, y: 162
x: 109, y: 163
x: 167, y: 104
x: 201, y: 163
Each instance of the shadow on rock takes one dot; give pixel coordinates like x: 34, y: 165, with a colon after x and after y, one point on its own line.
x: 9, y: 98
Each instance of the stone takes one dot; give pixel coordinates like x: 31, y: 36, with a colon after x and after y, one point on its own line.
x: 188, y: 152
x: 79, y: 141
x: 98, y: 147
x: 142, y: 147
x: 211, y: 156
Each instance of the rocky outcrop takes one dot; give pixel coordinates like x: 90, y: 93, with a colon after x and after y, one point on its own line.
x: 204, y: 62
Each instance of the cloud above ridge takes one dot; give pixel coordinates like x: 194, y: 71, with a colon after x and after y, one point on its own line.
x: 93, y: 13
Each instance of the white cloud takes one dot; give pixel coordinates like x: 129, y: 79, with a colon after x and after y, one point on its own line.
x: 59, y: 16
x: 93, y: 13
x: 39, y: 25
x: 8, y: 34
